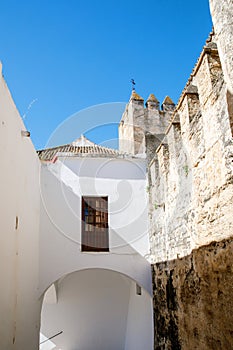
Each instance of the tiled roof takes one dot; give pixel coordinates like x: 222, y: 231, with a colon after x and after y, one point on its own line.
x: 80, y: 147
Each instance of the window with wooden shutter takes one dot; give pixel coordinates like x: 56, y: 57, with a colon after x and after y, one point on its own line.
x: 95, y: 224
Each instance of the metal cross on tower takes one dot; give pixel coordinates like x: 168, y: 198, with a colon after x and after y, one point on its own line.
x: 133, y: 84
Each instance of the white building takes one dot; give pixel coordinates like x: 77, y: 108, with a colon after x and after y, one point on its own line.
x: 93, y: 243
x: 19, y: 236
x: 74, y: 243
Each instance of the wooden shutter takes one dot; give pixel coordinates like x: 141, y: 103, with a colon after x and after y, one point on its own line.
x: 95, y: 224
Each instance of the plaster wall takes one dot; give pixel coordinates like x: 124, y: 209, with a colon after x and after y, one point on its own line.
x: 19, y: 237
x: 139, y: 333
x: 62, y: 185
x: 96, y: 309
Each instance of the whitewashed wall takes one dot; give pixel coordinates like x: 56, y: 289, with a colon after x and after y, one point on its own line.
x: 99, y: 309
x: 140, y: 332
x: 62, y: 185
x: 98, y: 300
x: 19, y: 208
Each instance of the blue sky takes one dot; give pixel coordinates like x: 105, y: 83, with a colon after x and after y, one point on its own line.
x: 60, y: 57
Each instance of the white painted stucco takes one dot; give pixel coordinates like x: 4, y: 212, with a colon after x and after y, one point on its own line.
x: 62, y: 186
x: 19, y: 235
x: 40, y: 247
x: 97, y: 306
x: 99, y: 309
x: 139, y: 333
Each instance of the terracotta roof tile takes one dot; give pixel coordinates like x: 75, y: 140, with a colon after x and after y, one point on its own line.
x: 81, y: 146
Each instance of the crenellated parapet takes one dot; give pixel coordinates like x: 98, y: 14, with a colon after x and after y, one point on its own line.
x: 143, y: 126
x: 168, y: 105
x: 152, y: 103
x: 190, y: 175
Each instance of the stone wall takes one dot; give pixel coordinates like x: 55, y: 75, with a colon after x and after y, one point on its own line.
x: 141, y: 126
x: 193, y: 299
x: 221, y: 12
x: 223, y: 26
x: 190, y: 176
x: 190, y: 185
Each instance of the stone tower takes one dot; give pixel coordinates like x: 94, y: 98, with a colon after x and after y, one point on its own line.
x: 142, y: 128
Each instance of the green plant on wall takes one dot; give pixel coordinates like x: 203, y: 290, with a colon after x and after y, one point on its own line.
x: 159, y: 205
x: 186, y: 169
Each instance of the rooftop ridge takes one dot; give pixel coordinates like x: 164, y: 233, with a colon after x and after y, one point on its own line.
x: 81, y: 147
x: 82, y: 141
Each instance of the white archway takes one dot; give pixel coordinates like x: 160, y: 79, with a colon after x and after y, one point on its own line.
x: 97, y: 309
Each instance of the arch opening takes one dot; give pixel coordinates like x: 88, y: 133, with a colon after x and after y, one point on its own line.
x: 96, y: 309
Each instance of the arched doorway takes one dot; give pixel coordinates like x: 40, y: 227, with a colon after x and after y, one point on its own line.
x: 97, y: 309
